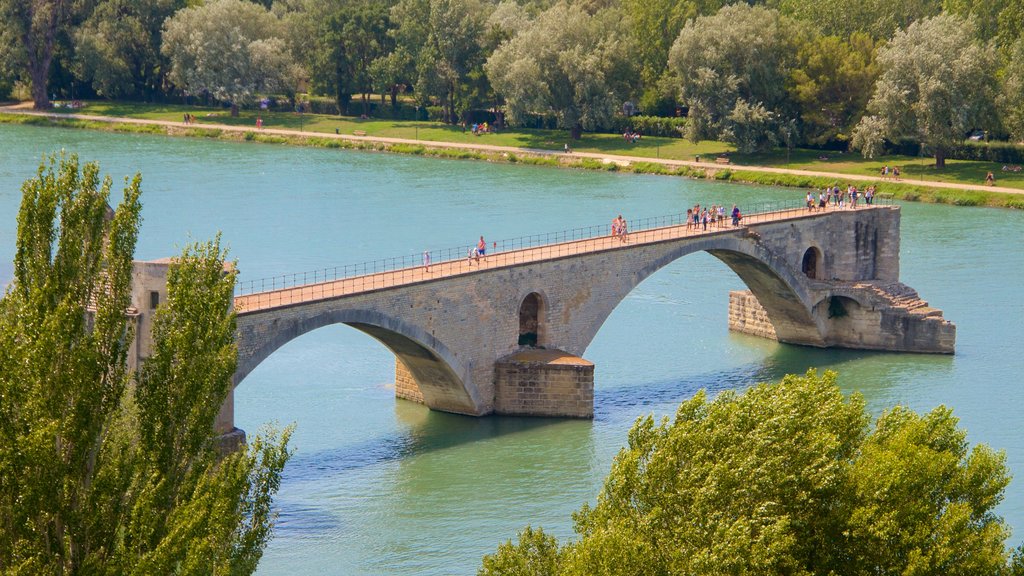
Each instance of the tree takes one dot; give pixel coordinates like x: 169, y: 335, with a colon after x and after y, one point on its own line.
x: 568, y: 63
x: 937, y: 84
x: 788, y: 478
x: 653, y: 26
x: 732, y: 63
x: 1002, y: 20
x: 230, y: 49
x: 34, y: 26
x: 443, y: 37
x: 1011, y: 99
x: 102, y: 470
x: 347, y: 37
x: 117, y: 49
x: 831, y: 82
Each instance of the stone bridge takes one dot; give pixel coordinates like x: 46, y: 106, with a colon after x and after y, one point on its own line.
x: 505, y: 334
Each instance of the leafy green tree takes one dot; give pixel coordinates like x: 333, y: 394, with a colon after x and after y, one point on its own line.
x: 786, y: 478
x: 102, y: 470
x: 1002, y: 20
x: 535, y: 554
x: 568, y: 63
x: 32, y: 27
x: 348, y: 36
x: 731, y: 66
x: 232, y: 50
x: 655, y: 25
x: 937, y: 84
x: 1011, y: 98
x: 878, y: 18
x: 831, y: 83
x: 117, y: 49
x: 444, y: 38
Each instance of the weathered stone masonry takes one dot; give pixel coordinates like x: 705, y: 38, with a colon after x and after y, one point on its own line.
x: 456, y: 338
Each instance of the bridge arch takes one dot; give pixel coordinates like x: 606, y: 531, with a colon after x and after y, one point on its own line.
x: 532, y: 310
x: 782, y: 290
x: 439, y: 373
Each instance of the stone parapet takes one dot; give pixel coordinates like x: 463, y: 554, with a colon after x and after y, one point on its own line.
x: 536, y: 382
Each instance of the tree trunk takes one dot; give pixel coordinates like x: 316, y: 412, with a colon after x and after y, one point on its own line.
x: 234, y: 110
x: 577, y: 131
x: 366, y: 105
x: 38, y: 75
x: 394, y: 95
x: 940, y: 158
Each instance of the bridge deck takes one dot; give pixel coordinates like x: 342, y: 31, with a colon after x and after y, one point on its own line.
x: 412, y: 275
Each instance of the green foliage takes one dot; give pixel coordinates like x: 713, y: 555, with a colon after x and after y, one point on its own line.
x: 731, y: 68
x: 567, y: 62
x: 786, y: 478
x: 832, y: 83
x: 937, y: 84
x: 535, y: 554
x: 103, y: 471
x: 117, y: 49
x: 231, y: 49
x: 666, y: 126
x: 878, y: 18
x: 1011, y: 98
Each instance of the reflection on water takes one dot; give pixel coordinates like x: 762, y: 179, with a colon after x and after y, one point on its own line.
x: 379, y: 486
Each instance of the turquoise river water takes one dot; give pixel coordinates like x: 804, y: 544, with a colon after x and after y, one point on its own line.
x: 379, y: 486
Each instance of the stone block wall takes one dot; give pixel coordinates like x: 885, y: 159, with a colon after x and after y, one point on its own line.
x: 746, y: 315
x: 405, y: 384
x: 544, y: 383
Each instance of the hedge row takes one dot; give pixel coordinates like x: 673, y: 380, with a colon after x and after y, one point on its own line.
x: 998, y: 152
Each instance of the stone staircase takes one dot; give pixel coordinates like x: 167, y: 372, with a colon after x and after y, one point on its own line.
x: 899, y: 296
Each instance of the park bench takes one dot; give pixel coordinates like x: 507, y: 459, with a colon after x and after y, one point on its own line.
x: 722, y: 160
x: 359, y: 132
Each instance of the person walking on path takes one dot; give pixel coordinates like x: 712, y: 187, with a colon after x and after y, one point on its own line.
x: 259, y: 122
x: 990, y: 179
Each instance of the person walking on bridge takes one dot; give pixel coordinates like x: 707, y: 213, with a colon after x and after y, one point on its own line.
x: 481, y: 249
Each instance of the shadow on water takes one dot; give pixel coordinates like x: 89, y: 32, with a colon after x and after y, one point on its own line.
x: 871, y: 373
x: 421, y: 431
x: 425, y: 431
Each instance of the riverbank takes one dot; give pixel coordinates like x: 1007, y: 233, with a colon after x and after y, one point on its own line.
x: 907, y: 189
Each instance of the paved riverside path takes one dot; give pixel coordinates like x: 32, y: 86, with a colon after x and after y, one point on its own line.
x: 838, y: 176
x: 306, y: 293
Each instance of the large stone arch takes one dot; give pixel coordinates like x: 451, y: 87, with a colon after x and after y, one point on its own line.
x: 441, y: 377
x: 784, y: 293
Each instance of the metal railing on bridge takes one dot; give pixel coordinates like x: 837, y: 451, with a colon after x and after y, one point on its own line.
x: 409, y: 268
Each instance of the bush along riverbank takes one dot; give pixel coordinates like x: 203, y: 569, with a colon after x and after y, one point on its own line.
x: 897, y: 190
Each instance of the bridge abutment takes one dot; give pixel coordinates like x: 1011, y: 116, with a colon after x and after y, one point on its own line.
x: 861, y: 316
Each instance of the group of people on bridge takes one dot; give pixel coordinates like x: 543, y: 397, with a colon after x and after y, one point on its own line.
x: 699, y: 218
x: 839, y: 198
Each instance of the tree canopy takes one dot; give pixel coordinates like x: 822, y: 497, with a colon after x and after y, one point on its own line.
x: 937, y: 85
x: 103, y: 470
x: 231, y: 49
x: 732, y: 68
x: 785, y: 478
x: 759, y: 74
x: 566, y: 63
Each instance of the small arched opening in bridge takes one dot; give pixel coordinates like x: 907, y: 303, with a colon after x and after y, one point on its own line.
x: 811, y: 265
x: 530, y: 326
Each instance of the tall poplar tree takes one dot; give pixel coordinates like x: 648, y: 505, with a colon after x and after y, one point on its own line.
x: 103, y: 470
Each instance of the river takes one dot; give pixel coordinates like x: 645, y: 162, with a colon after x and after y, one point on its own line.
x: 379, y: 486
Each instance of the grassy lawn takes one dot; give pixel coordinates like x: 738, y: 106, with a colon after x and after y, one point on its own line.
x: 957, y: 171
